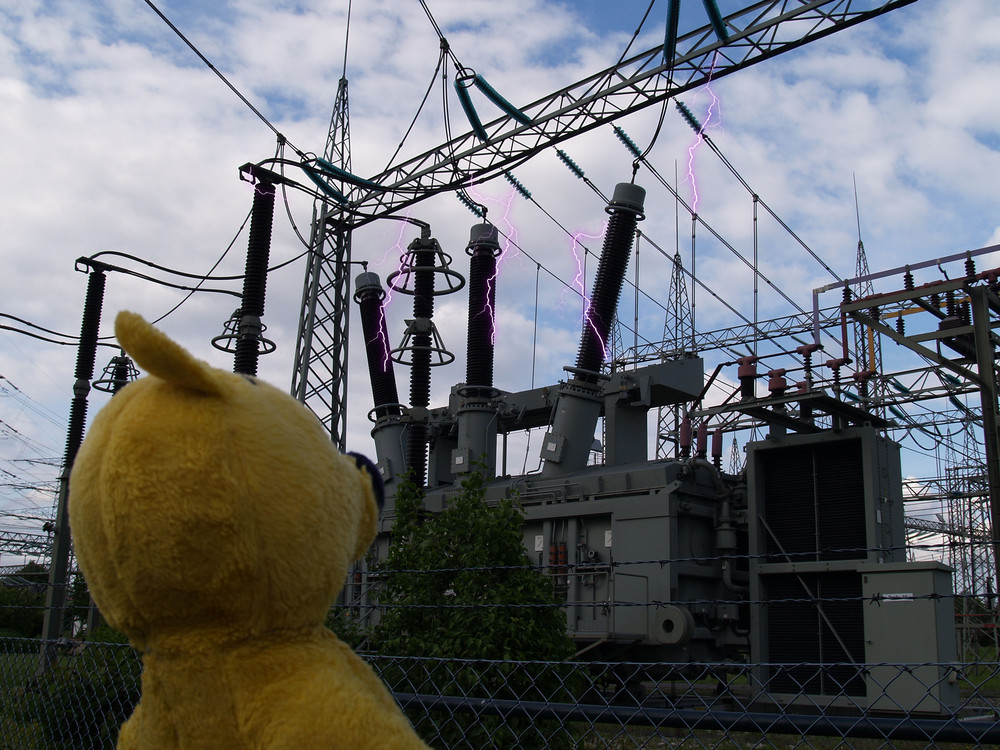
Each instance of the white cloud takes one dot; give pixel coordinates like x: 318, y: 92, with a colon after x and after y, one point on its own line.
x: 117, y: 138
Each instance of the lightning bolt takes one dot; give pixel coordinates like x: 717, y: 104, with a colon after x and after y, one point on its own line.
x: 579, y: 281
x: 383, y: 330
x: 713, y: 114
x: 509, y: 241
x: 593, y: 327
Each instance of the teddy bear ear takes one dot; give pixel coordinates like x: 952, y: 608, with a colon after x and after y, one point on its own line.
x: 374, y: 476
x: 159, y: 355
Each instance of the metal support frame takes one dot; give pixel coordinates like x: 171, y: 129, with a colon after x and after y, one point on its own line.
x: 319, y: 379
x: 982, y: 301
x: 758, y: 32
x: 983, y: 360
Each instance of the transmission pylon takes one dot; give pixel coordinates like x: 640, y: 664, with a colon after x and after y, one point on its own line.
x: 320, y: 377
x: 867, y: 341
x: 678, y: 335
x: 967, y: 510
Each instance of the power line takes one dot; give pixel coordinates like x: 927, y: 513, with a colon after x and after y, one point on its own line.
x: 281, y: 137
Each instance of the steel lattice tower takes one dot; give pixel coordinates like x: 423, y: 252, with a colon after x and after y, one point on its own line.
x: 320, y: 376
x: 867, y: 341
x: 678, y: 336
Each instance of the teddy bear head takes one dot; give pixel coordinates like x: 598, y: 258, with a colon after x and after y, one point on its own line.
x: 203, y: 501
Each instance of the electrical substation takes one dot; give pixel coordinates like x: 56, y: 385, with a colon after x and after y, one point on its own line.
x: 675, y: 559
x: 727, y: 496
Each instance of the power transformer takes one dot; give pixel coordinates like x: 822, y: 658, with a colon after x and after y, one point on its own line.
x: 796, y: 566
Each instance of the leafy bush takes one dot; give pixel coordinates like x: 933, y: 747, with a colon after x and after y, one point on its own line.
x: 22, y: 611
x: 460, y: 586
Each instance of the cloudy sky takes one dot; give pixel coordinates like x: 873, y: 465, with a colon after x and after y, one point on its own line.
x: 116, y: 137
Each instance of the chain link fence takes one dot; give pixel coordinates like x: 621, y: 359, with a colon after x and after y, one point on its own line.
x: 89, y: 689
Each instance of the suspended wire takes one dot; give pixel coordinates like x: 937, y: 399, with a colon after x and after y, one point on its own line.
x: 430, y: 17
x: 280, y: 136
x: 722, y: 157
x: 459, y: 176
x: 37, y: 328
x: 587, y: 253
x: 635, y: 34
x: 27, y: 402
x: 165, y: 269
x: 656, y: 302
x: 437, y: 29
x: 161, y: 282
x: 569, y: 285
x: 48, y: 340
x: 666, y: 102
x: 621, y: 58
x: 695, y: 280
x: 423, y: 102
x: 732, y: 249
x: 461, y: 71
x: 288, y: 209
x: 208, y: 275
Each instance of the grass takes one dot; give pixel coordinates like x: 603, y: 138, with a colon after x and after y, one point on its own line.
x: 79, y: 704
x: 17, y: 671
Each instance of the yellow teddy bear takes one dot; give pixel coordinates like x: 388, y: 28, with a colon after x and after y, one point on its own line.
x: 215, y: 522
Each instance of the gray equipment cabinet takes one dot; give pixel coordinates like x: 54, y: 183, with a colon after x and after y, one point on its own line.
x: 826, y: 541
x: 909, y: 618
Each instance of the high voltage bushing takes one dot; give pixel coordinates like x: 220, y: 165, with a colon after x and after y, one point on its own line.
x: 477, y: 413
x: 420, y: 374
x: 422, y: 263
x: 85, y: 360
x: 255, y: 280
x: 626, y: 210
x: 568, y: 442
x: 387, y: 413
x: 369, y: 295
x: 483, y: 249
x: 245, y: 326
x: 55, y: 597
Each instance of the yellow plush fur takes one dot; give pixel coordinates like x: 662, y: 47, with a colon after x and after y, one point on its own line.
x: 215, y: 523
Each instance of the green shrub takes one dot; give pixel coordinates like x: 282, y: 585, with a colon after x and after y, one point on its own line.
x: 460, y: 586
x: 22, y: 611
